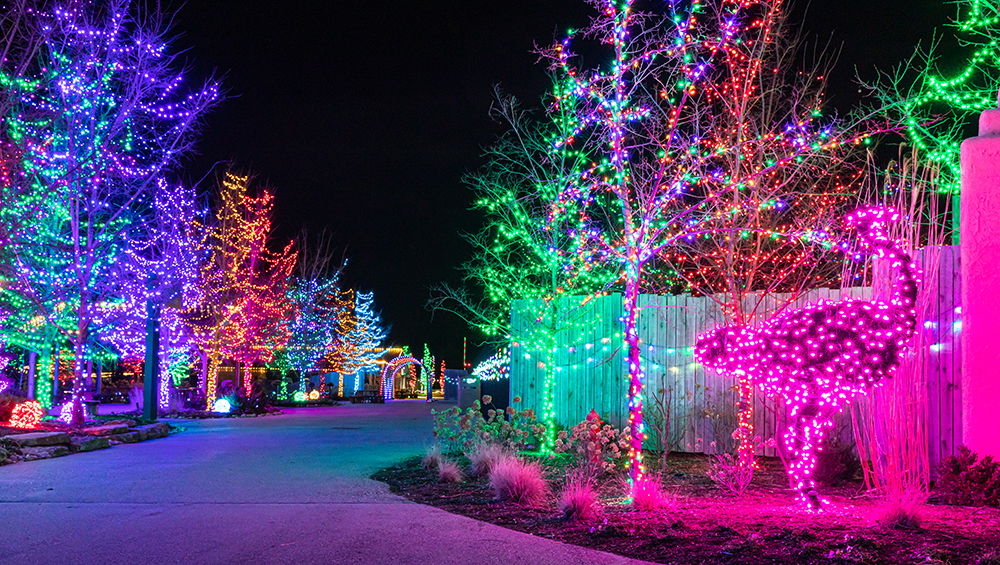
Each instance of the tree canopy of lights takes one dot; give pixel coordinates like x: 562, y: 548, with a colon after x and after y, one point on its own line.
x: 368, y: 333
x: 242, y: 287
x: 821, y: 357
x: 666, y: 149
x: 937, y: 98
x: 359, y: 338
x: 100, y: 115
x: 792, y: 180
x: 342, y: 355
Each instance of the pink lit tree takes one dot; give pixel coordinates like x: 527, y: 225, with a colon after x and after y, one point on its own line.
x: 682, y: 118
x: 242, y: 298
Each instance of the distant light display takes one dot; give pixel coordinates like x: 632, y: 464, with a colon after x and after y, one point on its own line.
x: 495, y: 368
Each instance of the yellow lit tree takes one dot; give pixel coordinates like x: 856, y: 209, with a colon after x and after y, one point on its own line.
x: 243, y: 298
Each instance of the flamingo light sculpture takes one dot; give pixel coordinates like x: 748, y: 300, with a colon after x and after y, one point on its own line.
x: 821, y: 357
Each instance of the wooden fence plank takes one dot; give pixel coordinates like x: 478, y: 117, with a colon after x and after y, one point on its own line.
x: 593, y: 375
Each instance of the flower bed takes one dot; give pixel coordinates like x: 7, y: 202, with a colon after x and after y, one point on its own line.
x: 702, y: 523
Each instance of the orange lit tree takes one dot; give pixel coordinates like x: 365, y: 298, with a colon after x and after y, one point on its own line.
x: 243, y: 285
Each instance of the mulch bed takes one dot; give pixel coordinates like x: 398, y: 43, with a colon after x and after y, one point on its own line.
x: 703, y: 524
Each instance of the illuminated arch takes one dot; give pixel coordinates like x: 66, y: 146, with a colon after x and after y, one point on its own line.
x: 391, y: 369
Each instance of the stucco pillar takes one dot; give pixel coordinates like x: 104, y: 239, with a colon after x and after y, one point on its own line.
x: 980, y: 252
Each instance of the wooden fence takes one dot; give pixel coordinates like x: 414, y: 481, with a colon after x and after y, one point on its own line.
x: 585, y: 361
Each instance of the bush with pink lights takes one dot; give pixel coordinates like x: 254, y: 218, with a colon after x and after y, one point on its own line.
x: 821, y: 357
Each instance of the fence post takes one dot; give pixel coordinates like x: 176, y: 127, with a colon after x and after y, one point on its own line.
x: 980, y: 255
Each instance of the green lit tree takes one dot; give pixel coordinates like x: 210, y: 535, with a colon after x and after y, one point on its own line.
x: 514, y: 260
x: 937, y: 98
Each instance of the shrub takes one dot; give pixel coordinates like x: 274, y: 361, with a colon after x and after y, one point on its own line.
x: 969, y: 481
x: 484, y: 457
x: 901, y: 516
x: 514, y: 480
x: 460, y: 432
x: 8, y: 447
x: 449, y: 472
x: 578, y: 500
x: 257, y: 401
x: 432, y: 457
x: 7, y: 404
x: 728, y: 473
x: 648, y: 495
x: 594, y: 443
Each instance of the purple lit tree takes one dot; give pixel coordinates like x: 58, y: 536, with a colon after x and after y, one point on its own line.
x: 160, y: 265
x: 104, y: 118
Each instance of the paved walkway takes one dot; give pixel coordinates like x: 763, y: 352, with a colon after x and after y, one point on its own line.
x: 283, y: 489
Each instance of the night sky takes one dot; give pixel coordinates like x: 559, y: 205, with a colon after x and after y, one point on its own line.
x: 363, y: 116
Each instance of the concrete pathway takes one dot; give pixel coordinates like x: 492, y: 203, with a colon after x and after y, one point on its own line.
x: 283, y: 489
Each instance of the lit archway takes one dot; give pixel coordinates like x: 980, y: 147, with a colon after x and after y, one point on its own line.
x: 391, y: 369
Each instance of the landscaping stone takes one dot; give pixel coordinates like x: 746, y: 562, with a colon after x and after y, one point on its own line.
x: 106, y: 430
x: 121, y: 422
x: 34, y: 439
x: 9, y: 451
x: 153, y: 431
x: 44, y: 452
x: 127, y: 437
x: 83, y: 443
